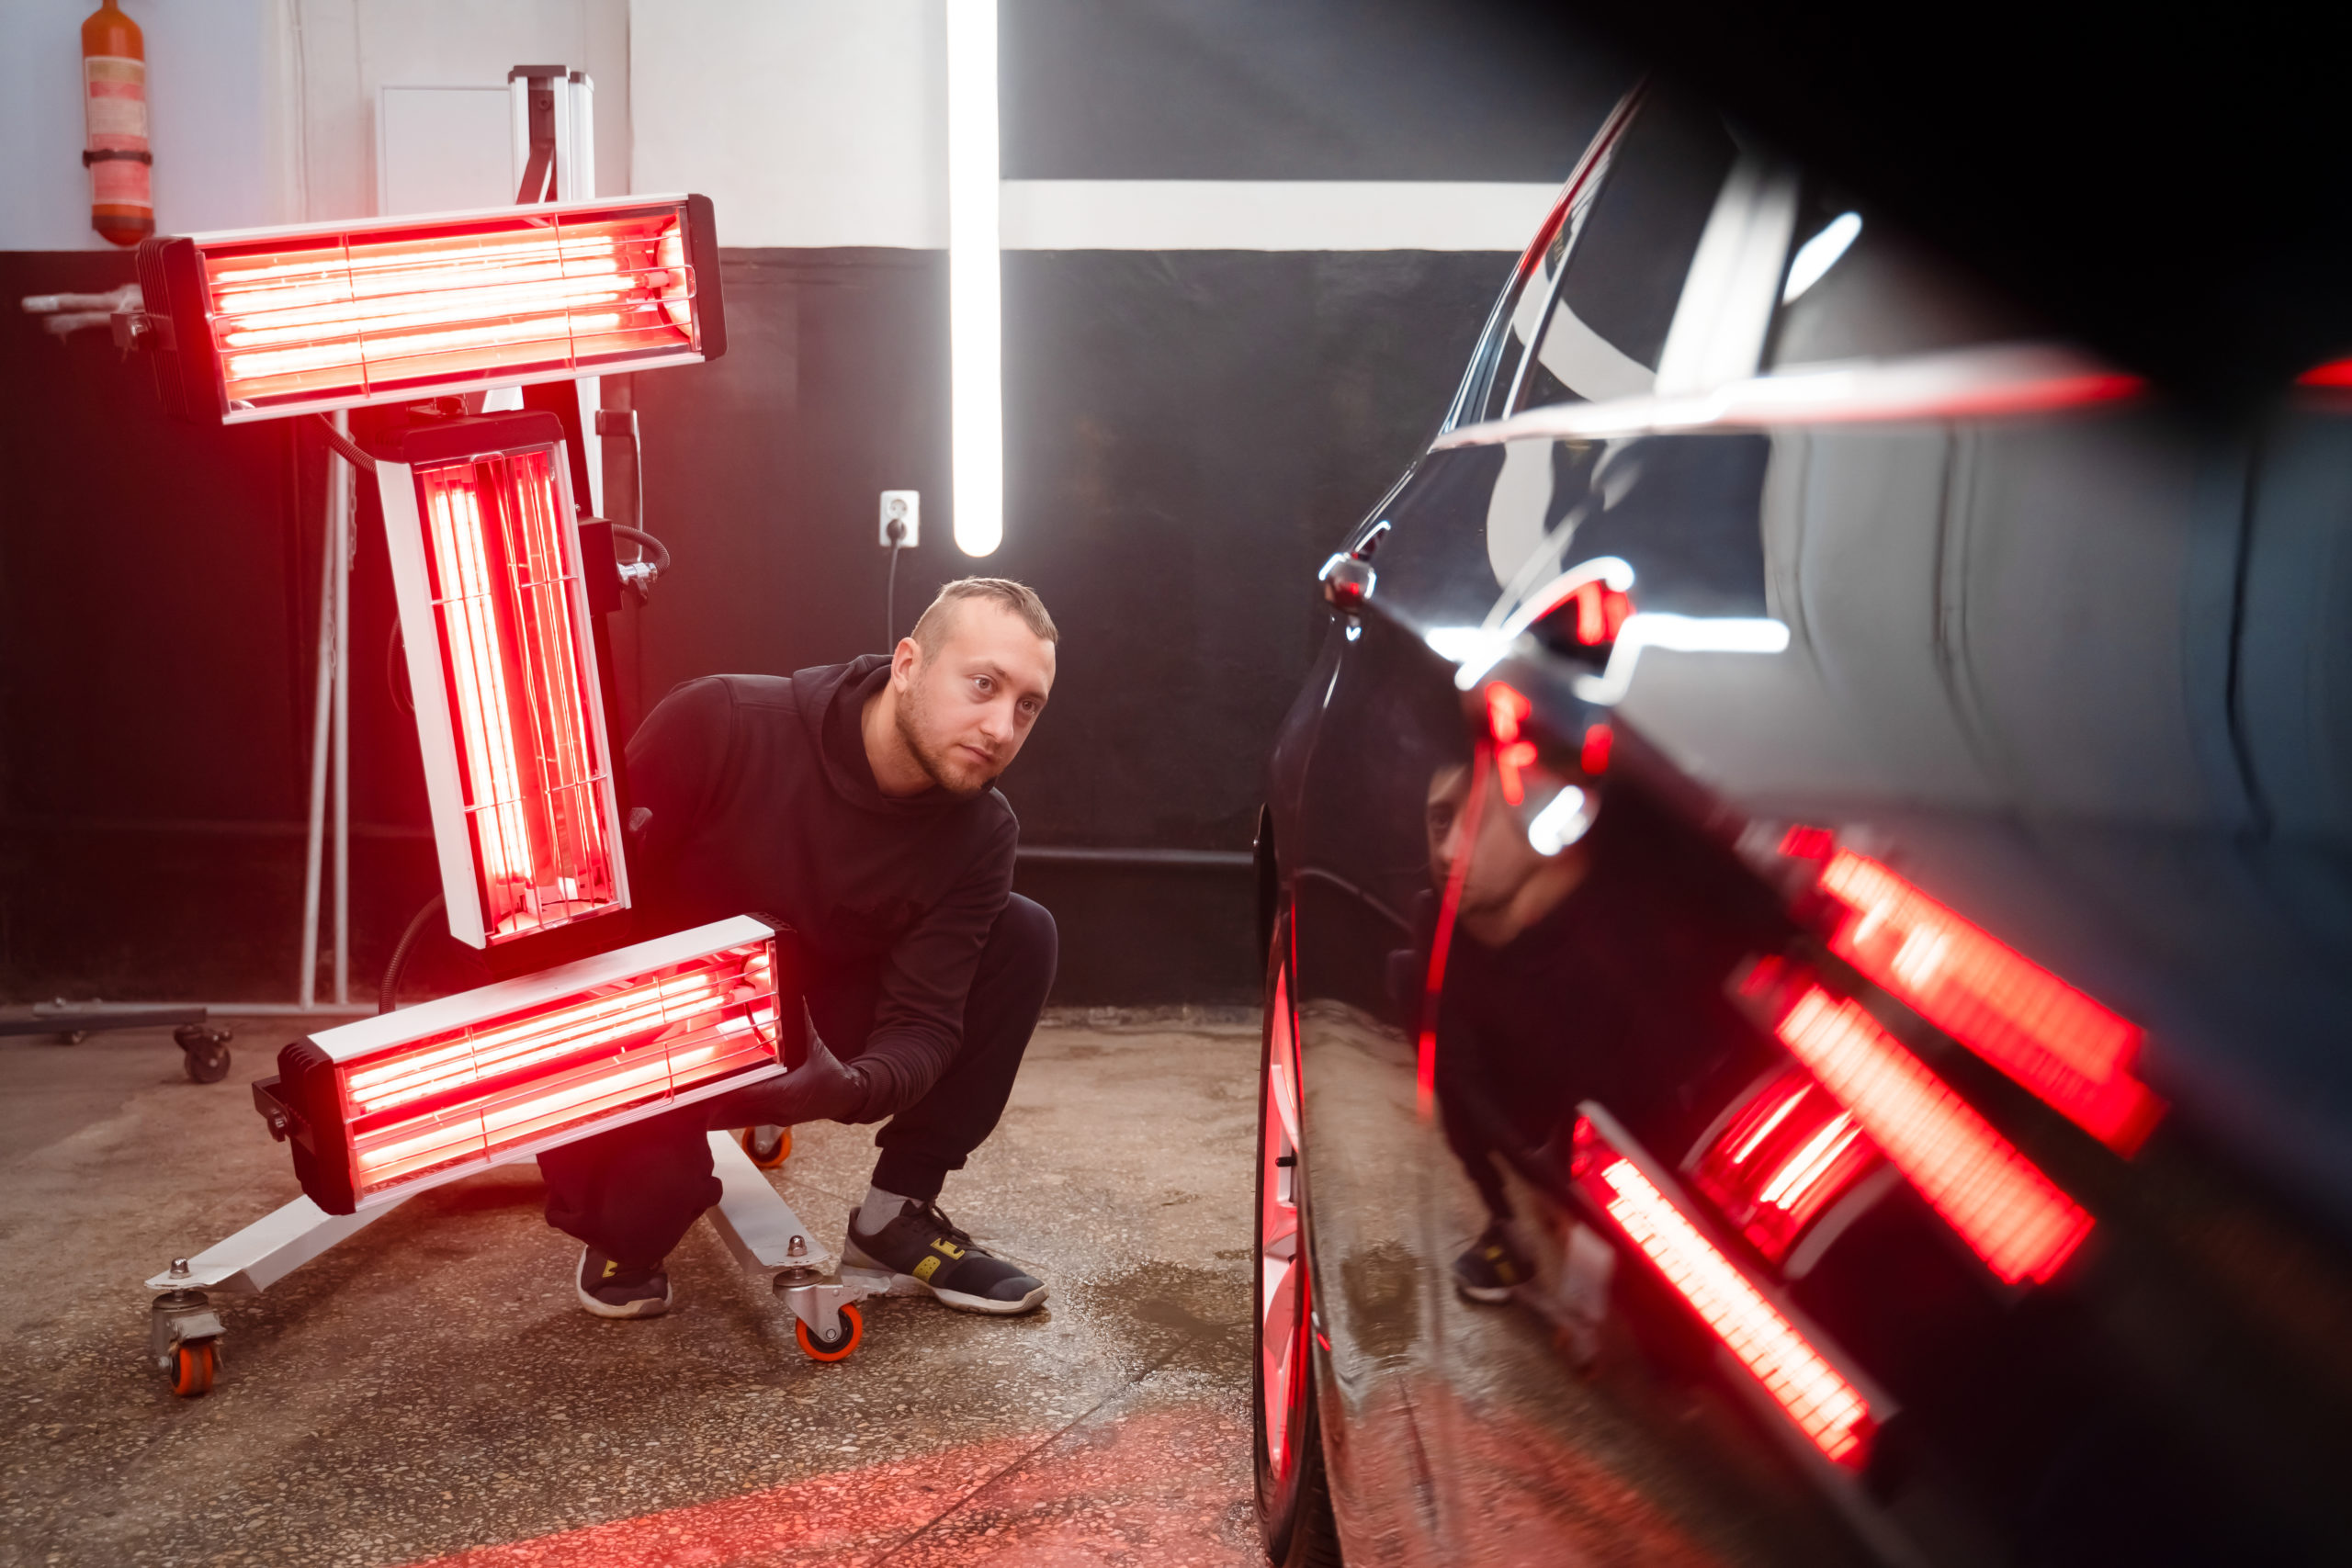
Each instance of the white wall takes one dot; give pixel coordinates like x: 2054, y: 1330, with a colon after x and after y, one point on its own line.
x: 807, y: 122
x: 348, y: 49
x: 210, y: 115
x: 264, y: 111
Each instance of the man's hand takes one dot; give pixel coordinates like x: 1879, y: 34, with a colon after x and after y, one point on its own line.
x: 822, y: 1088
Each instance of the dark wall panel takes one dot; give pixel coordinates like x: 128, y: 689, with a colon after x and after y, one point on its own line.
x: 1301, y: 90
x: 1187, y: 435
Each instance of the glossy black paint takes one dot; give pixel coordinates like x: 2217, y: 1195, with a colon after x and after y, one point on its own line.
x: 2080, y: 677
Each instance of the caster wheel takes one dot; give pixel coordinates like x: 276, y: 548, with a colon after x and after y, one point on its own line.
x: 193, y: 1366
x: 768, y: 1147
x: 204, y: 1051
x: 843, y: 1341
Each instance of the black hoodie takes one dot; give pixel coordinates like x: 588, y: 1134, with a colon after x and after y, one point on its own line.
x: 763, y: 803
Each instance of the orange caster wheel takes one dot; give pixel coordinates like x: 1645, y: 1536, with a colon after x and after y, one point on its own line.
x: 843, y: 1341
x: 193, y: 1366
x: 768, y: 1147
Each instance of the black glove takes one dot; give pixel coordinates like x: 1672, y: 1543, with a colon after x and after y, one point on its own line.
x: 822, y: 1088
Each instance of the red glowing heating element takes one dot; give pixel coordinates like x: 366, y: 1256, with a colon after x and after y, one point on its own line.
x: 1790, y: 1152
x: 266, y: 322
x: 432, y: 1091
x: 2012, y: 1216
x: 1826, y: 1404
x: 2047, y: 1035
x: 502, y: 662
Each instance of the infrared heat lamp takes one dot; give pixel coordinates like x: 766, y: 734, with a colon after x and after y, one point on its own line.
x: 378, y: 1110
x: 259, y: 323
x: 502, y: 665
x: 383, y: 1109
x: 1834, y: 1405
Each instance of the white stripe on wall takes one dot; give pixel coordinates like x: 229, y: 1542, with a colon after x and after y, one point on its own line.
x: 1271, y: 215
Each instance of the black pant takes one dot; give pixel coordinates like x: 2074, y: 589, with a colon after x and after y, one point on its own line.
x: 634, y: 1193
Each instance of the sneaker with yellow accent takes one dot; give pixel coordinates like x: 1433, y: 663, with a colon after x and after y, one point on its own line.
x: 613, y: 1289
x: 926, y: 1255
x: 1492, y: 1269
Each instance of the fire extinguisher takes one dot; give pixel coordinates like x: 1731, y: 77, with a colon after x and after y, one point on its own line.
x: 114, y: 110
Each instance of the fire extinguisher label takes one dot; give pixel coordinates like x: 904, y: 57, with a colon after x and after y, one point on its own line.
x: 115, y: 111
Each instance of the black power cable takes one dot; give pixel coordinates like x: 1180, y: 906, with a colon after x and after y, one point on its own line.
x: 344, y: 445
x: 388, y: 994
x: 891, y: 592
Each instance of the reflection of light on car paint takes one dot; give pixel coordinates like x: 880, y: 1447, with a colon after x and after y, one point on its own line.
x: 1835, y: 1414
x: 2076, y: 1055
x: 1457, y: 644
x: 1681, y: 633
x: 1788, y: 1154
x: 1441, y: 944
x: 1818, y: 255
x: 1561, y: 823
x: 1476, y: 649
x: 1505, y: 708
x: 2011, y: 1215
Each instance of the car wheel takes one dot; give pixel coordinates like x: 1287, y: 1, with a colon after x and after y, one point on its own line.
x: 1293, y: 1497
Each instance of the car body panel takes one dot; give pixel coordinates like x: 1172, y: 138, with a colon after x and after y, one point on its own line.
x: 2075, y: 669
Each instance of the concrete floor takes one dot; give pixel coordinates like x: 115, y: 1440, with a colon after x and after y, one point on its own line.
x: 429, y: 1391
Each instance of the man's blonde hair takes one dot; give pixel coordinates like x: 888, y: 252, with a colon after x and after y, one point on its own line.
x: 1017, y: 597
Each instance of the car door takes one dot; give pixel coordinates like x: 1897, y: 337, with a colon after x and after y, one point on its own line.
x: 1458, y: 1433
x: 1938, y: 970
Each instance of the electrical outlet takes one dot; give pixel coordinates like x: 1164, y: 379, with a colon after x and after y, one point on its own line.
x: 905, y: 505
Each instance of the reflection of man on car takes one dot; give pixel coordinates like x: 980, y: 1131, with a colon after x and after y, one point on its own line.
x: 1571, y: 975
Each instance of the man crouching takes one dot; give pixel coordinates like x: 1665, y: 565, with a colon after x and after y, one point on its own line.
x: 851, y: 802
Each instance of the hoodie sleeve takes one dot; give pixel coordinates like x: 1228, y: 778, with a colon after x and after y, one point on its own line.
x: 918, y: 1018
x: 676, y: 761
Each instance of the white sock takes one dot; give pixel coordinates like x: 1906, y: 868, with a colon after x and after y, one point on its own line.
x: 880, y: 1209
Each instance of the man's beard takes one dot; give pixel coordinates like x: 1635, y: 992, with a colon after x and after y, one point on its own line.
x: 937, y: 761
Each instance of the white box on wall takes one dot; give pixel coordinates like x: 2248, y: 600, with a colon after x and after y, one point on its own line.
x: 443, y: 149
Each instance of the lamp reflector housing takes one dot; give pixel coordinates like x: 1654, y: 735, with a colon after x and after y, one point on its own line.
x: 510, y: 714
x: 266, y: 322
x: 405, y: 1100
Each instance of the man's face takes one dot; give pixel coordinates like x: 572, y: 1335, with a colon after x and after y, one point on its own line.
x: 964, y: 710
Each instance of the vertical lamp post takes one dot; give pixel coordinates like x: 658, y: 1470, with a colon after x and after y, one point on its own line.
x: 976, y: 339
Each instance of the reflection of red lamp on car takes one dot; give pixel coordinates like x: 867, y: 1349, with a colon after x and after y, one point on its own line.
x: 1833, y: 1406
x: 2070, y: 1050
x: 2047, y: 1035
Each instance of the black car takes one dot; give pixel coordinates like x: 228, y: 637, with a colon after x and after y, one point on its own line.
x: 1808, y: 903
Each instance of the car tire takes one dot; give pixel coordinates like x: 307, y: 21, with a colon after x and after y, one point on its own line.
x: 1293, y: 1493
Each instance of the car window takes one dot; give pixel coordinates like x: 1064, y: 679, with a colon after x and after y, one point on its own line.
x: 1857, y: 287
x: 1627, y: 261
